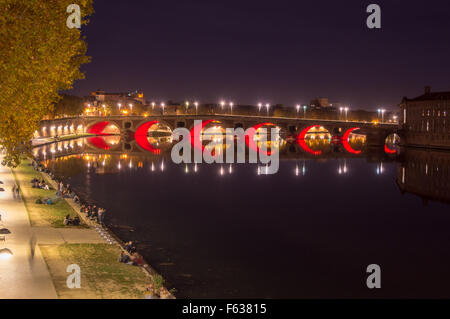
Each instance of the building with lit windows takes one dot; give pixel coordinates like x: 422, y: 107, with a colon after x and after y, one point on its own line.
x: 425, y: 120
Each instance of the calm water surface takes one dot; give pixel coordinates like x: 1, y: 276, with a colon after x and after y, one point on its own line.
x: 309, y: 231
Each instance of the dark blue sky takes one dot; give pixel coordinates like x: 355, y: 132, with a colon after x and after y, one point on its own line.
x: 277, y: 51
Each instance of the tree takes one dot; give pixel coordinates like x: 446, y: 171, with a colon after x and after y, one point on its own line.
x: 69, y: 105
x: 39, y: 56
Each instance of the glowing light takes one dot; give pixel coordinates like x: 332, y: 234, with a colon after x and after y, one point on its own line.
x: 5, y: 254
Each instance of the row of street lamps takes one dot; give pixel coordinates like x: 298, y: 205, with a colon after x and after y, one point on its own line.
x: 231, y: 105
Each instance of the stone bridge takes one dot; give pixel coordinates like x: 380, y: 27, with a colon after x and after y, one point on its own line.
x: 376, y: 133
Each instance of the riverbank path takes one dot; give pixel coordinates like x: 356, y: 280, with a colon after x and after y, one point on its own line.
x: 24, y: 274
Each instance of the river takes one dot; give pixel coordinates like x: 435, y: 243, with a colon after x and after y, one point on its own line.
x: 309, y: 231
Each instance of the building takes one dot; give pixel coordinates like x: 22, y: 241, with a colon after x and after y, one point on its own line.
x: 124, y: 98
x: 424, y: 120
x: 319, y: 103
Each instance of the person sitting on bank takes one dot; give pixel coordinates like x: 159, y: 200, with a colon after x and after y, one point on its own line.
x: 124, y: 258
x: 76, y: 221
x: 67, y: 220
x: 150, y: 292
x: 130, y: 247
x: 137, y: 259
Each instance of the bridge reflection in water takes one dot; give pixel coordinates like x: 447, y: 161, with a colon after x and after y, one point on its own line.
x: 424, y: 173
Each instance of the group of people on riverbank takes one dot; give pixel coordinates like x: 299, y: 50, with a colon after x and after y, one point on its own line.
x: 131, y: 257
x: 93, y: 212
x: 68, y: 220
x: 36, y: 183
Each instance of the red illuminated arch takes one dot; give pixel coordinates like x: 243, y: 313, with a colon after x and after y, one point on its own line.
x: 98, y: 128
x: 388, y: 150
x: 249, y: 138
x: 141, y: 137
x: 347, y: 144
x: 302, y: 143
x: 98, y: 142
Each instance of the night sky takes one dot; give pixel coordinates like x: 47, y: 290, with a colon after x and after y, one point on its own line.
x: 276, y: 51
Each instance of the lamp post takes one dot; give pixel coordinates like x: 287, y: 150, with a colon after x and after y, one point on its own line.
x: 131, y: 108
x: 340, y: 112
x: 298, y: 109
x: 267, y: 106
x: 259, y: 107
x: 304, y: 111
x: 153, y: 105
x: 346, y: 112
x: 381, y: 111
x: 120, y: 106
x: 196, y: 108
x: 187, y: 106
x: 222, y: 104
x: 231, y: 107
x: 163, y: 106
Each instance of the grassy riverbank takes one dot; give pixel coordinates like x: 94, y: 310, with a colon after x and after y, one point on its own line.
x: 40, y: 215
x: 102, y: 276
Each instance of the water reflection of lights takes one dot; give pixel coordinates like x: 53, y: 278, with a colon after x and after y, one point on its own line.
x: 380, y: 169
x: 343, y: 168
x: 119, y: 166
x: 186, y: 170
x: 230, y: 170
x: 195, y: 168
x: 303, y: 170
x: 162, y: 166
x: 152, y: 167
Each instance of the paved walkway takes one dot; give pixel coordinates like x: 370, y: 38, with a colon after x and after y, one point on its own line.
x: 25, y: 274
x: 60, y: 236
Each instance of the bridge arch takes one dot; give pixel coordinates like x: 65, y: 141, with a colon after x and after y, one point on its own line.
x: 103, y: 128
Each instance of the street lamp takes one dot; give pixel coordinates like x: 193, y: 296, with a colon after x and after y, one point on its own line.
x: 231, y: 107
x: 104, y: 109
x: 187, y: 106
x: 381, y: 111
x: 259, y: 107
x: 5, y: 254
x: 131, y: 108
x: 346, y: 112
x: 120, y: 106
x: 196, y: 107
x: 222, y: 104
x: 298, y: 109
x: 340, y: 112
x: 163, y: 106
x: 153, y: 105
x: 267, y: 106
x: 304, y: 111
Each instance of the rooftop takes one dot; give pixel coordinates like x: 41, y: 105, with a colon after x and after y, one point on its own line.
x: 430, y: 96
